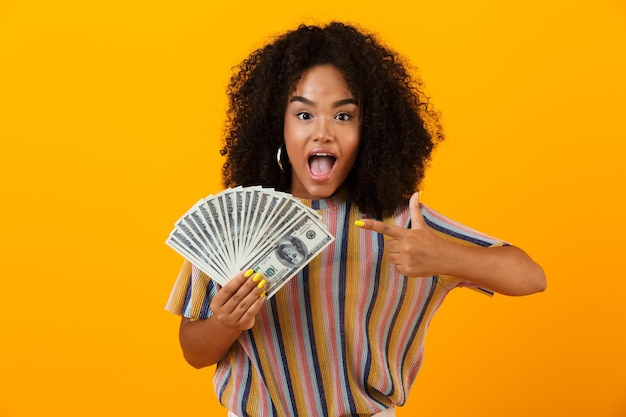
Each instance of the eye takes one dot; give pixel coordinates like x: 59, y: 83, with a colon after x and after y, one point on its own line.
x: 304, y: 115
x: 344, y: 117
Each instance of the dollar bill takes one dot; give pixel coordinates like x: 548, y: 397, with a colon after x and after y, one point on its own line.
x: 250, y: 228
x: 290, y: 252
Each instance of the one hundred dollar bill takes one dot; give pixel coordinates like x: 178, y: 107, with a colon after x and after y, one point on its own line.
x: 291, y: 251
x: 250, y: 228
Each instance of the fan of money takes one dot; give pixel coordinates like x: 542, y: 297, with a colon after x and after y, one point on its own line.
x: 250, y: 228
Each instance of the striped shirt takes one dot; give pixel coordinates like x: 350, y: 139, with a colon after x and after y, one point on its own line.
x: 344, y: 337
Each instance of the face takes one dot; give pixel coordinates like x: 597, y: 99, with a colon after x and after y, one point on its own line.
x: 322, y: 132
x: 291, y: 253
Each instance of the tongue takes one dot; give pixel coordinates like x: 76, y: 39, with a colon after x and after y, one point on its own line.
x: 321, y: 165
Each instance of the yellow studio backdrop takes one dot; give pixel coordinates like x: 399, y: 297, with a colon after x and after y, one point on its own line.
x: 111, y: 118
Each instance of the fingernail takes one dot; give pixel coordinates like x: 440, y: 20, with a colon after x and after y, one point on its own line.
x: 262, y: 294
x: 419, y: 195
x: 261, y: 284
x: 256, y: 277
x: 248, y: 273
x: 359, y: 223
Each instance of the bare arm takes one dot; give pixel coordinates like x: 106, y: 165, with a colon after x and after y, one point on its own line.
x: 234, y: 307
x: 505, y: 269
x: 419, y: 252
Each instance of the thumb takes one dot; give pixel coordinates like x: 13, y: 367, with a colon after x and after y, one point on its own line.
x: 417, y: 219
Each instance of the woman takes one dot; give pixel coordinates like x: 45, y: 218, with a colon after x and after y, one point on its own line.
x: 333, y: 117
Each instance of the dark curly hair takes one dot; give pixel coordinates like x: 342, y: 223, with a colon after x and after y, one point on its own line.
x: 399, y: 127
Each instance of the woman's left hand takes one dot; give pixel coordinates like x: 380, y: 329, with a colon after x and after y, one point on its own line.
x: 420, y: 252
x: 416, y: 252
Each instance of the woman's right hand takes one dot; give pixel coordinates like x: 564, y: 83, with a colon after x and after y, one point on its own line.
x: 234, y: 307
x: 236, y: 304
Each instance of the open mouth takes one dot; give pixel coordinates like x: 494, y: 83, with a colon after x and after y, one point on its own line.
x: 321, y: 163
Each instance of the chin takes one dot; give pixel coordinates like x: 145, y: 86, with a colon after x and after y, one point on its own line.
x: 315, y: 193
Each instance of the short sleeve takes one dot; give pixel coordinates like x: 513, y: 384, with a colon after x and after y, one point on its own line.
x: 456, y: 232
x: 192, y: 293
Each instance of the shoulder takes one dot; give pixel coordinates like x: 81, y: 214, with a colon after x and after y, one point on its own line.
x: 454, y: 230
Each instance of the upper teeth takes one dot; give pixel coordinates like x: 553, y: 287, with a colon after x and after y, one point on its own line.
x: 322, y: 154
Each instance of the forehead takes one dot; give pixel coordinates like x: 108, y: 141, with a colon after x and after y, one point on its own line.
x: 322, y: 80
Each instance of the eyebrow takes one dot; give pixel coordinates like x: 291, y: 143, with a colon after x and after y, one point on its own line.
x: 335, y: 104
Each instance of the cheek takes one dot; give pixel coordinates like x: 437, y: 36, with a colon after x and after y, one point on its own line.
x: 286, y: 130
x: 353, y: 146
x: 292, y: 133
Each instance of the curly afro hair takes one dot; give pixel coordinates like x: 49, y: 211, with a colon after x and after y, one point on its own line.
x: 399, y: 127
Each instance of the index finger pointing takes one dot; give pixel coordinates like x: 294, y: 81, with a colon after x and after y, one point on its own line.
x: 379, y: 227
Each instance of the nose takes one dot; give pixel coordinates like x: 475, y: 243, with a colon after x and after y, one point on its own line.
x: 323, y: 131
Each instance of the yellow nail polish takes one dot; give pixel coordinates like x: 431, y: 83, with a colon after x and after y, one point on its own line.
x: 419, y: 196
x: 256, y: 277
x: 261, y: 284
x: 248, y: 273
x: 359, y: 223
x: 262, y: 294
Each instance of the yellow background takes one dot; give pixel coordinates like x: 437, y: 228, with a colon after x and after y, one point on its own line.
x: 111, y: 115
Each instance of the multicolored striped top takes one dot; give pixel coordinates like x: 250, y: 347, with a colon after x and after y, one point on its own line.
x: 344, y: 337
